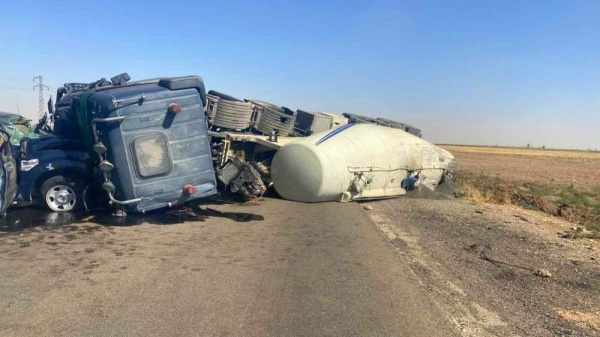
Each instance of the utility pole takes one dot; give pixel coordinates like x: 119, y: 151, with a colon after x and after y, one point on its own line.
x: 40, y: 86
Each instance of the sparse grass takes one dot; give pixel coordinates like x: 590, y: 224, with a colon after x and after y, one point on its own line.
x: 484, y: 189
x: 595, y: 228
x: 595, y: 200
x: 567, y: 201
x: 595, y: 190
x: 541, y: 190
x: 562, y: 183
x: 571, y: 197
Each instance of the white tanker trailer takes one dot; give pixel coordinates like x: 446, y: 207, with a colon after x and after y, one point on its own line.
x: 358, y: 161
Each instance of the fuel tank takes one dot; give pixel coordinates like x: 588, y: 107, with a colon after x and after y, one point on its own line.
x: 357, y: 161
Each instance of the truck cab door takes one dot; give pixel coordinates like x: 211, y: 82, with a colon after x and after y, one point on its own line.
x: 8, y: 173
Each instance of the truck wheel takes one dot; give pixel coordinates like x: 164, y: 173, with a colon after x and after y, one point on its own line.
x: 63, y: 194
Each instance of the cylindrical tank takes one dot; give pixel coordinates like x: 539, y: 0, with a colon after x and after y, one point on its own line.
x: 355, y: 161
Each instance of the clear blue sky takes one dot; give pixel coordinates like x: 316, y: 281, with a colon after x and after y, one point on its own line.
x: 470, y: 72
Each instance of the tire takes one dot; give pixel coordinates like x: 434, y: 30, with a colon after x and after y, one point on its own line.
x: 264, y: 104
x: 232, y: 115
x: 63, y: 193
x: 271, y: 116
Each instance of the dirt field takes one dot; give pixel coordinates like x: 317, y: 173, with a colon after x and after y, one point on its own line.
x: 481, y: 261
x: 563, y: 183
x: 549, y: 167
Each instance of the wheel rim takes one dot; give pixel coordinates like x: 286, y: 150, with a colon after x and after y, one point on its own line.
x: 61, y: 198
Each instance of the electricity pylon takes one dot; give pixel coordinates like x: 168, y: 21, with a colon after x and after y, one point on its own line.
x: 40, y: 86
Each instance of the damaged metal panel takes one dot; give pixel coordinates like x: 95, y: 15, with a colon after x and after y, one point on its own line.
x: 241, y: 167
x: 17, y: 126
x: 244, y: 178
x: 155, y: 148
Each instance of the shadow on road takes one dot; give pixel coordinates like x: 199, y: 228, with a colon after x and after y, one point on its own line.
x: 18, y: 219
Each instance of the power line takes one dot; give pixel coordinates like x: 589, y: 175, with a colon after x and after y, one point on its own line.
x: 15, y: 88
x: 8, y: 87
x: 12, y: 79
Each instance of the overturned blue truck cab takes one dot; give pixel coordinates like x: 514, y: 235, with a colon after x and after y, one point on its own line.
x: 147, y: 143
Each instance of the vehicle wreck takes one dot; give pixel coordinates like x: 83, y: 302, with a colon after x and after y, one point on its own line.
x: 324, y: 157
x: 162, y: 142
x: 353, y: 162
x: 144, y: 144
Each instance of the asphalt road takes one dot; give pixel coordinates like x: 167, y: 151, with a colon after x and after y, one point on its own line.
x: 276, y: 268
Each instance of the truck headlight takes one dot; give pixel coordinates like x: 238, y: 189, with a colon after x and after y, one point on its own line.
x: 27, y: 165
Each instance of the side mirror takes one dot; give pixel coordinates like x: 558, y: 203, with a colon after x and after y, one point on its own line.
x: 23, y: 144
x: 60, y: 93
x: 50, y: 106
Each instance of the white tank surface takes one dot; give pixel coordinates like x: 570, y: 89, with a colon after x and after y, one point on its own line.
x: 357, y: 161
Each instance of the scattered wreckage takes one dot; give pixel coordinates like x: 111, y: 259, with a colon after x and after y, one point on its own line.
x: 143, y: 144
x: 8, y: 171
x: 162, y: 142
x: 349, y: 163
x: 325, y: 157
